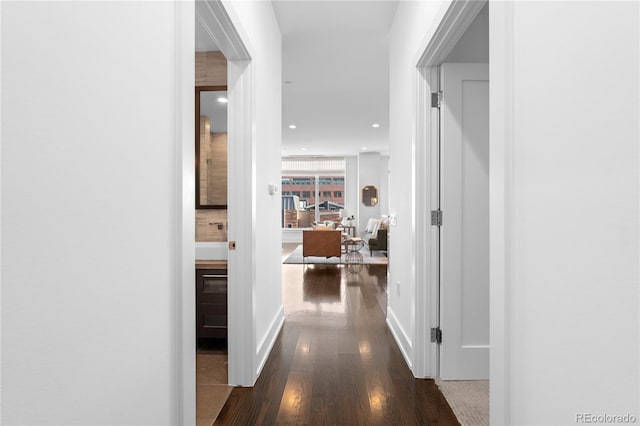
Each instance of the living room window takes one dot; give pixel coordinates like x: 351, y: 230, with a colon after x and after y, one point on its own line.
x: 318, y: 184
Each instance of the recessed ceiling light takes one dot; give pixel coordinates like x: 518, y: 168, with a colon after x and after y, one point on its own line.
x: 304, y: 149
x: 223, y: 100
x: 292, y: 126
x: 376, y: 125
x: 364, y: 148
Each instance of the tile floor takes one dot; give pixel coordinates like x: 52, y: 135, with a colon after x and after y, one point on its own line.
x: 212, y: 390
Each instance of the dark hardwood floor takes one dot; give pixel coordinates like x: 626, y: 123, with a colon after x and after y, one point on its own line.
x: 335, y: 361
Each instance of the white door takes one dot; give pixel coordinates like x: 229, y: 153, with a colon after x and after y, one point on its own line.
x: 464, y: 201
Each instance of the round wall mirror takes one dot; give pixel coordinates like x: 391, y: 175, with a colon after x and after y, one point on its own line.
x: 369, y: 195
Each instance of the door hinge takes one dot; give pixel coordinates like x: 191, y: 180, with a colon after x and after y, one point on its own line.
x: 436, y: 99
x: 436, y: 335
x: 436, y: 217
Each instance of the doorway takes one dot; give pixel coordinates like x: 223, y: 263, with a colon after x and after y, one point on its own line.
x: 455, y: 104
x: 240, y: 342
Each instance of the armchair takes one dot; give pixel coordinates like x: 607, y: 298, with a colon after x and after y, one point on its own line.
x: 379, y: 242
x: 375, y: 234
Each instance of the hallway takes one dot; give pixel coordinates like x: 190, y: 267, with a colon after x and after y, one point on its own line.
x: 335, y: 361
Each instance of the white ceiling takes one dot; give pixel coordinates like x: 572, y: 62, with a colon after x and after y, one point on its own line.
x: 335, y: 54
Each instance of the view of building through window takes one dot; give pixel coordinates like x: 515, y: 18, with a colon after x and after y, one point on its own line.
x: 303, y: 190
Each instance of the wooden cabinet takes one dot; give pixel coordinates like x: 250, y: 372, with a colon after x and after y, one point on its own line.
x: 211, y: 302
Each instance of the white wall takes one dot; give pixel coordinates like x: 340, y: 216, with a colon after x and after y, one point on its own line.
x: 351, y: 186
x: 413, y: 25
x: 88, y: 150
x: 257, y: 22
x: 570, y: 273
x: 384, y: 185
x: 209, y: 250
x: 369, y: 173
x: 565, y: 271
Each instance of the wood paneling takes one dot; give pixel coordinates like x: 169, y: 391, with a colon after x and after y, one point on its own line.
x: 211, y: 69
x: 217, y: 171
x: 210, y: 264
x: 208, y: 223
x: 213, y: 165
x: 205, y: 156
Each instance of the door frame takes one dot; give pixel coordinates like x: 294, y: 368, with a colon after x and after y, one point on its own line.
x: 241, y: 158
x: 455, y: 20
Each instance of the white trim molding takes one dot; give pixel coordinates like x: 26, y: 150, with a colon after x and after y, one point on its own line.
x: 241, y: 206
x: 501, y: 207
x: 424, y: 235
x: 401, y: 337
x: 184, y: 216
x: 265, y: 345
x: 1, y: 222
x: 219, y: 24
x: 459, y: 15
x: 455, y: 20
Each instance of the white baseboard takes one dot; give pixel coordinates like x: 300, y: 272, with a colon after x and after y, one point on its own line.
x: 269, y: 338
x: 401, y: 337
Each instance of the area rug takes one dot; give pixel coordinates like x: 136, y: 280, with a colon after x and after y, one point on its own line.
x: 361, y: 257
x: 469, y: 400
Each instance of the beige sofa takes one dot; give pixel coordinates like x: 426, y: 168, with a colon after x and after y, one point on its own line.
x: 321, y: 243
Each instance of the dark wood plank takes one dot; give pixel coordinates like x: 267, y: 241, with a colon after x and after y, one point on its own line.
x: 295, y: 404
x: 335, y: 361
